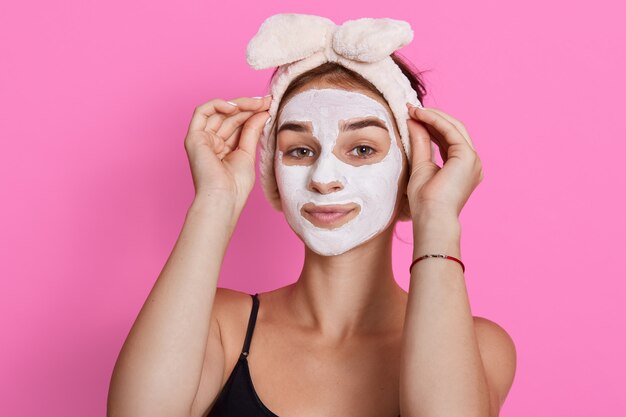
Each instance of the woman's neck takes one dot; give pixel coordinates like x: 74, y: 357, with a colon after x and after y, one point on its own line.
x: 354, y: 293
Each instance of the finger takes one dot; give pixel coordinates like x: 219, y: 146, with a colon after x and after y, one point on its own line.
x: 251, y: 132
x: 438, y: 140
x: 224, y: 125
x: 247, y: 105
x: 202, y: 113
x: 448, y: 131
x: 215, y: 120
x: 435, y: 135
x: 456, y: 123
x: 252, y: 103
x: 225, y: 151
x: 232, y: 140
x: 420, y: 143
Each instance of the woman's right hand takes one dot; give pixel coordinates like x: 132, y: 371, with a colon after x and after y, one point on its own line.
x: 221, y: 146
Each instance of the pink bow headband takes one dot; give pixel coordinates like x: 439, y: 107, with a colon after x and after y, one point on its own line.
x: 297, y: 43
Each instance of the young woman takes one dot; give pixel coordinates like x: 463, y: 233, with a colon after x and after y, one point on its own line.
x: 344, y: 338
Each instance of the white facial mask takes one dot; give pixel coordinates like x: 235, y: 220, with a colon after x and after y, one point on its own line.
x: 372, y: 186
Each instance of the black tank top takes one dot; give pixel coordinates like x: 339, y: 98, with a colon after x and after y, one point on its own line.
x: 238, y: 397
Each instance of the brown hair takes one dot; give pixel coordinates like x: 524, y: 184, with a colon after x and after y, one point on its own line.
x: 338, y: 75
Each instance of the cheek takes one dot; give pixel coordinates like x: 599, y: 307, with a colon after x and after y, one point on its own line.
x: 392, y: 177
x: 290, y: 179
x: 378, y: 182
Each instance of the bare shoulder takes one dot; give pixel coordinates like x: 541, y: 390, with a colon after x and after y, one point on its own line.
x: 225, y: 333
x: 226, y: 298
x: 499, y: 356
x: 231, y: 306
x: 231, y: 311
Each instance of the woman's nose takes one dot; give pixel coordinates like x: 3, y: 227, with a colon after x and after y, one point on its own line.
x: 326, y: 175
x: 325, y: 188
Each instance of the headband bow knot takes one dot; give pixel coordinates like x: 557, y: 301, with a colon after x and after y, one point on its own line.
x: 297, y: 43
x: 363, y: 40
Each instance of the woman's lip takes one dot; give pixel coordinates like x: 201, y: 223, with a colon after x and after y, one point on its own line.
x: 330, y: 216
x: 344, y: 208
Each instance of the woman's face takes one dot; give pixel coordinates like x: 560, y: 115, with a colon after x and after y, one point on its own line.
x: 339, y: 165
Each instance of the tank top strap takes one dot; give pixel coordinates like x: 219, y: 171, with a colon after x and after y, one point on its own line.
x: 251, y: 323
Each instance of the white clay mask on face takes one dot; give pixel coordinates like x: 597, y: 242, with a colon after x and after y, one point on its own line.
x: 360, y: 195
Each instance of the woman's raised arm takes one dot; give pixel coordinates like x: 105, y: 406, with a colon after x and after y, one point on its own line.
x: 160, y: 365
x: 448, y: 367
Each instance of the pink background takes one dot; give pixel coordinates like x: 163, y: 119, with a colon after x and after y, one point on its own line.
x: 95, y: 100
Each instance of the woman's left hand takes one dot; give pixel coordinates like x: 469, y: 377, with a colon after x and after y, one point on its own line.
x: 445, y: 189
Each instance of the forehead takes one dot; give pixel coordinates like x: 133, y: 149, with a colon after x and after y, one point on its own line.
x: 328, y: 104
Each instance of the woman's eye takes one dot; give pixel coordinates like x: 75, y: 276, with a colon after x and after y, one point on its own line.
x: 300, y: 152
x: 363, y: 151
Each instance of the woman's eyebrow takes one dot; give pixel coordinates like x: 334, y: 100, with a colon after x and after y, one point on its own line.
x: 294, y: 126
x: 360, y: 124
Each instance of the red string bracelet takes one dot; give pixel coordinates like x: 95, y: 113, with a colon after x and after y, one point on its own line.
x: 436, y: 256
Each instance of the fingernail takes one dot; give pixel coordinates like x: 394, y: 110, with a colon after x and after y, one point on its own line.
x: 258, y: 97
x: 234, y: 104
